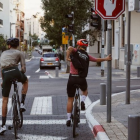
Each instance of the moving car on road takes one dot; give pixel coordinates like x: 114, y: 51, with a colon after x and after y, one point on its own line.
x: 50, y: 59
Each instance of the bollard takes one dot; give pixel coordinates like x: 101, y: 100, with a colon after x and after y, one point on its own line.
x: 138, y: 71
x: 102, y: 94
x: 133, y: 127
x: 56, y: 71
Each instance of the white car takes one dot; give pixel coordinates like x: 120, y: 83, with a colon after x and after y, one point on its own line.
x: 36, y: 49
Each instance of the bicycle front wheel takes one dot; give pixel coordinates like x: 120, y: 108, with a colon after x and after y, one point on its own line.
x: 15, y: 123
x: 74, y: 118
x: 21, y: 119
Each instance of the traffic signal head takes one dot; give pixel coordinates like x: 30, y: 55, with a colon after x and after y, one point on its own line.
x: 96, y: 19
x: 71, y: 28
x: 70, y: 16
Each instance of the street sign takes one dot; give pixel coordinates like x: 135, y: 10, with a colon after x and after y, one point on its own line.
x: 109, y: 9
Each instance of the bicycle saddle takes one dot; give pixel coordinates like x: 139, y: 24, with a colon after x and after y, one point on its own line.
x: 77, y: 86
x: 14, y: 80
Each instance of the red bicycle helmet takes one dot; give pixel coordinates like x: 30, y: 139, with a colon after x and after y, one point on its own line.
x: 82, y: 42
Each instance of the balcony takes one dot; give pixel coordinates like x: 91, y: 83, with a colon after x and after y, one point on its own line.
x: 1, y: 23
x: 1, y: 6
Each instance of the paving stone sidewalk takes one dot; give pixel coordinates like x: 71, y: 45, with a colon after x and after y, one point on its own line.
x: 95, y: 73
x: 118, y: 128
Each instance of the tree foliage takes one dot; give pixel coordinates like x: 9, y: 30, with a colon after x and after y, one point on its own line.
x: 3, y: 45
x: 34, y: 39
x: 54, y: 18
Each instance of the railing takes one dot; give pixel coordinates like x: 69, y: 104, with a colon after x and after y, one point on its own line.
x: 1, y: 5
x: 1, y: 22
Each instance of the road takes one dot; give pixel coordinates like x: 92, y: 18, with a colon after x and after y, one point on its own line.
x: 46, y: 100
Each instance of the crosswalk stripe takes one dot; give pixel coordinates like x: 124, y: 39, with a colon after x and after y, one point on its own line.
x: 42, y: 105
x: 37, y: 71
x: 9, y: 105
x: 45, y: 122
x: 44, y: 77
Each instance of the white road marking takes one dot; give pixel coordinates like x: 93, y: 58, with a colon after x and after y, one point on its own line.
x: 28, y: 77
x: 9, y: 105
x: 49, y: 74
x: 42, y: 105
x: 44, y: 122
x: 130, y: 85
x: 44, y: 137
x: 37, y: 70
x: 44, y: 77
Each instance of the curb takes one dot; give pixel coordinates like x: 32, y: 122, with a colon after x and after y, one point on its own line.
x: 97, y: 129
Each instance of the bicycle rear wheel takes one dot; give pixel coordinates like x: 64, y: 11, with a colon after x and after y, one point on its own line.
x: 75, y: 119
x: 15, y: 117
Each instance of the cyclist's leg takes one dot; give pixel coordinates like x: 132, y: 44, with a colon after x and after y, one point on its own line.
x: 6, y: 86
x: 71, y: 92
x: 24, y: 80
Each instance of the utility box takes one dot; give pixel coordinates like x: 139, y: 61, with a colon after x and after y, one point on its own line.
x: 131, y: 53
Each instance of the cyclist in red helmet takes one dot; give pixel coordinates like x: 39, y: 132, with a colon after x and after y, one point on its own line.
x: 79, y: 63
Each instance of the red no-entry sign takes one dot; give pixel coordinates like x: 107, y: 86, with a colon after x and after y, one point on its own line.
x: 109, y: 9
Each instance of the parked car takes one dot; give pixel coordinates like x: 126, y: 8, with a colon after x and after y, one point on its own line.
x: 40, y: 52
x: 50, y: 59
x: 36, y: 49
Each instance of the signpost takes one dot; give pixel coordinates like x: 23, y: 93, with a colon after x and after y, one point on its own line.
x: 109, y: 9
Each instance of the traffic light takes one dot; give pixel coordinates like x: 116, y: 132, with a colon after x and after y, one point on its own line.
x: 71, y: 26
x: 96, y: 19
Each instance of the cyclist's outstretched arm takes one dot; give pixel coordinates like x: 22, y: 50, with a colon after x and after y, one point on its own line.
x: 108, y: 58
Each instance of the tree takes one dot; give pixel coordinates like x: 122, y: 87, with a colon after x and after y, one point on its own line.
x: 54, y: 18
x: 3, y: 45
x: 34, y: 39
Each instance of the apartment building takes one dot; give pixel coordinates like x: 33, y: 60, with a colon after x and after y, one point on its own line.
x: 19, y: 7
x: 1, y: 9
x: 32, y: 25
x: 8, y: 17
x: 13, y: 19
x: 119, y: 40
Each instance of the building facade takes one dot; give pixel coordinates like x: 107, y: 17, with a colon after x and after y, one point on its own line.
x: 32, y: 26
x: 1, y: 9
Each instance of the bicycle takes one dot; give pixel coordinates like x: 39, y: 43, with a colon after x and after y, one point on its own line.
x: 16, y: 113
x: 76, y: 110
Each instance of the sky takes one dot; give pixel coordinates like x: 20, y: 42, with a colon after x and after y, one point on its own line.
x: 32, y: 7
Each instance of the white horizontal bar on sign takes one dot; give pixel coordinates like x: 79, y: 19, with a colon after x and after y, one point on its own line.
x: 9, y: 105
x: 42, y: 105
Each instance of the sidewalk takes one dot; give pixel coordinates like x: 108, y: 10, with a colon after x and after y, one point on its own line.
x: 95, y: 73
x: 118, y: 128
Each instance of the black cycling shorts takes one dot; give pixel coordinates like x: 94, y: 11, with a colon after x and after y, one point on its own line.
x: 73, y: 80
x: 8, y: 74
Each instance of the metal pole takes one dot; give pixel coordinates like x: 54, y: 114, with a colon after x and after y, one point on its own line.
x: 102, y: 49
x: 73, y: 38
x: 10, y: 29
x: 64, y: 52
x: 109, y: 71
x: 56, y: 71
x: 128, y: 63
x: 133, y: 127
x: 102, y: 94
